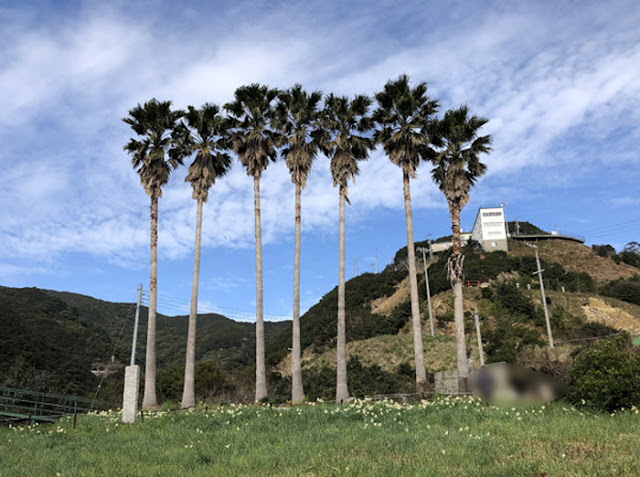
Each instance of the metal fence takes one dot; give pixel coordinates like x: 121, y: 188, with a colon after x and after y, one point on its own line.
x: 24, y: 404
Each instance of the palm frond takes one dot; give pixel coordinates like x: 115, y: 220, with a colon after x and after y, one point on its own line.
x: 404, y: 119
x: 154, y: 155
x: 457, y: 162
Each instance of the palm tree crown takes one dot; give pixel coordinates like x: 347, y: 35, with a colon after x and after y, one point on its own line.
x: 208, y: 139
x: 252, y: 139
x: 155, y: 155
x: 405, y: 118
x: 457, y: 163
x: 344, y: 125
x: 296, y: 119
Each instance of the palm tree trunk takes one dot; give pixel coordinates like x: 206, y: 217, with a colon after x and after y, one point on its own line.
x: 342, y: 391
x: 455, y: 269
x: 149, y: 400
x: 188, y: 392
x: 421, y: 375
x: 297, y: 393
x: 261, y: 371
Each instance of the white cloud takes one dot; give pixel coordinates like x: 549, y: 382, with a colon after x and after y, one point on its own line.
x: 68, y: 186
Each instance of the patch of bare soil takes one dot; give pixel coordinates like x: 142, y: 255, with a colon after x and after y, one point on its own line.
x: 284, y: 366
x: 386, y: 304
x: 599, y: 311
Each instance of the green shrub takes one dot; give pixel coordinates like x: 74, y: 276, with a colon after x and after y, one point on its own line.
x: 363, y: 380
x: 511, y: 299
x: 606, y: 375
x: 604, y: 250
x: 627, y: 290
x: 487, y: 293
x: 208, y: 380
x: 504, y: 340
x: 631, y: 254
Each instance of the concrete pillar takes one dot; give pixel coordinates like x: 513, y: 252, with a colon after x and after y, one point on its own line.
x: 130, y: 396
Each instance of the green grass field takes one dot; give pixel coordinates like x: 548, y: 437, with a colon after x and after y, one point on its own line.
x: 448, y: 436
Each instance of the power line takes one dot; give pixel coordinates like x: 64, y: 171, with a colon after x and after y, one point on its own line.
x: 608, y: 227
x: 173, y: 304
x: 106, y: 371
x: 98, y: 338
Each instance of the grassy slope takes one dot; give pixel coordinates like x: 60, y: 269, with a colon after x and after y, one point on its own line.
x: 390, y: 351
x: 443, y: 438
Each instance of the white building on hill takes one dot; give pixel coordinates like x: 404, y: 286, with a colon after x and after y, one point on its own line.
x: 489, y: 229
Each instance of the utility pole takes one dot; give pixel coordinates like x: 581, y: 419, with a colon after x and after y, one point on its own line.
x: 132, y: 375
x: 480, y: 350
x: 376, y: 260
x: 135, y: 326
x: 504, y: 211
x: 355, y: 267
x: 426, y: 280
x: 517, y: 227
x: 544, y: 298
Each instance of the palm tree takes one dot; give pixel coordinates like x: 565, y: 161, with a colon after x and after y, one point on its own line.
x: 296, y: 119
x: 344, y: 123
x: 205, y: 134
x: 404, y: 116
x: 457, y: 168
x: 255, y: 145
x: 154, y: 157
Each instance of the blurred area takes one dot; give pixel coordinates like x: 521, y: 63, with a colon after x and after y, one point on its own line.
x: 503, y: 383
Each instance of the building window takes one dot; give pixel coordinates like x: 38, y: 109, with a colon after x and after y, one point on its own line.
x: 492, y: 214
x: 494, y: 244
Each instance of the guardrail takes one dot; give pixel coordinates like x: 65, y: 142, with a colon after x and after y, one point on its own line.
x: 24, y: 404
x: 546, y: 235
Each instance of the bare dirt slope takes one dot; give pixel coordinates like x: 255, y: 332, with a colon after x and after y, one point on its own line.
x: 601, y: 311
x: 386, y: 304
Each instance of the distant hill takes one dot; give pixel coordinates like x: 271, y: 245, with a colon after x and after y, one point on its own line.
x: 50, y: 340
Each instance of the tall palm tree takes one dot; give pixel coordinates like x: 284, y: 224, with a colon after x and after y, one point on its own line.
x: 297, y: 122
x: 404, y: 116
x: 344, y: 125
x: 154, y: 157
x: 205, y: 135
x: 457, y: 168
x: 254, y: 143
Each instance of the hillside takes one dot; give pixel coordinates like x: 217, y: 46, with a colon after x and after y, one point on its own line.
x: 508, y: 313
x: 575, y: 257
x: 49, y: 340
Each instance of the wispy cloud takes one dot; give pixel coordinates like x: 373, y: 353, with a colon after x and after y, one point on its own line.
x: 67, y: 185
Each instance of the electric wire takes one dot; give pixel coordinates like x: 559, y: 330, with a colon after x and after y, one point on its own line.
x: 92, y: 343
x: 104, y: 375
x: 170, y: 303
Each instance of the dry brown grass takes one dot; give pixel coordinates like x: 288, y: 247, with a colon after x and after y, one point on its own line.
x: 575, y: 257
x: 389, y: 351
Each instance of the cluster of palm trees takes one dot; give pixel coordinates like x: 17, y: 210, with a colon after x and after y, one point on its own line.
x: 262, y: 123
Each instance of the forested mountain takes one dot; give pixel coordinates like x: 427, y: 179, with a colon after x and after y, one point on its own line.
x: 50, y: 340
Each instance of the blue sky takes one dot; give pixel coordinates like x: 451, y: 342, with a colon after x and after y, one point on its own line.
x: 559, y: 81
